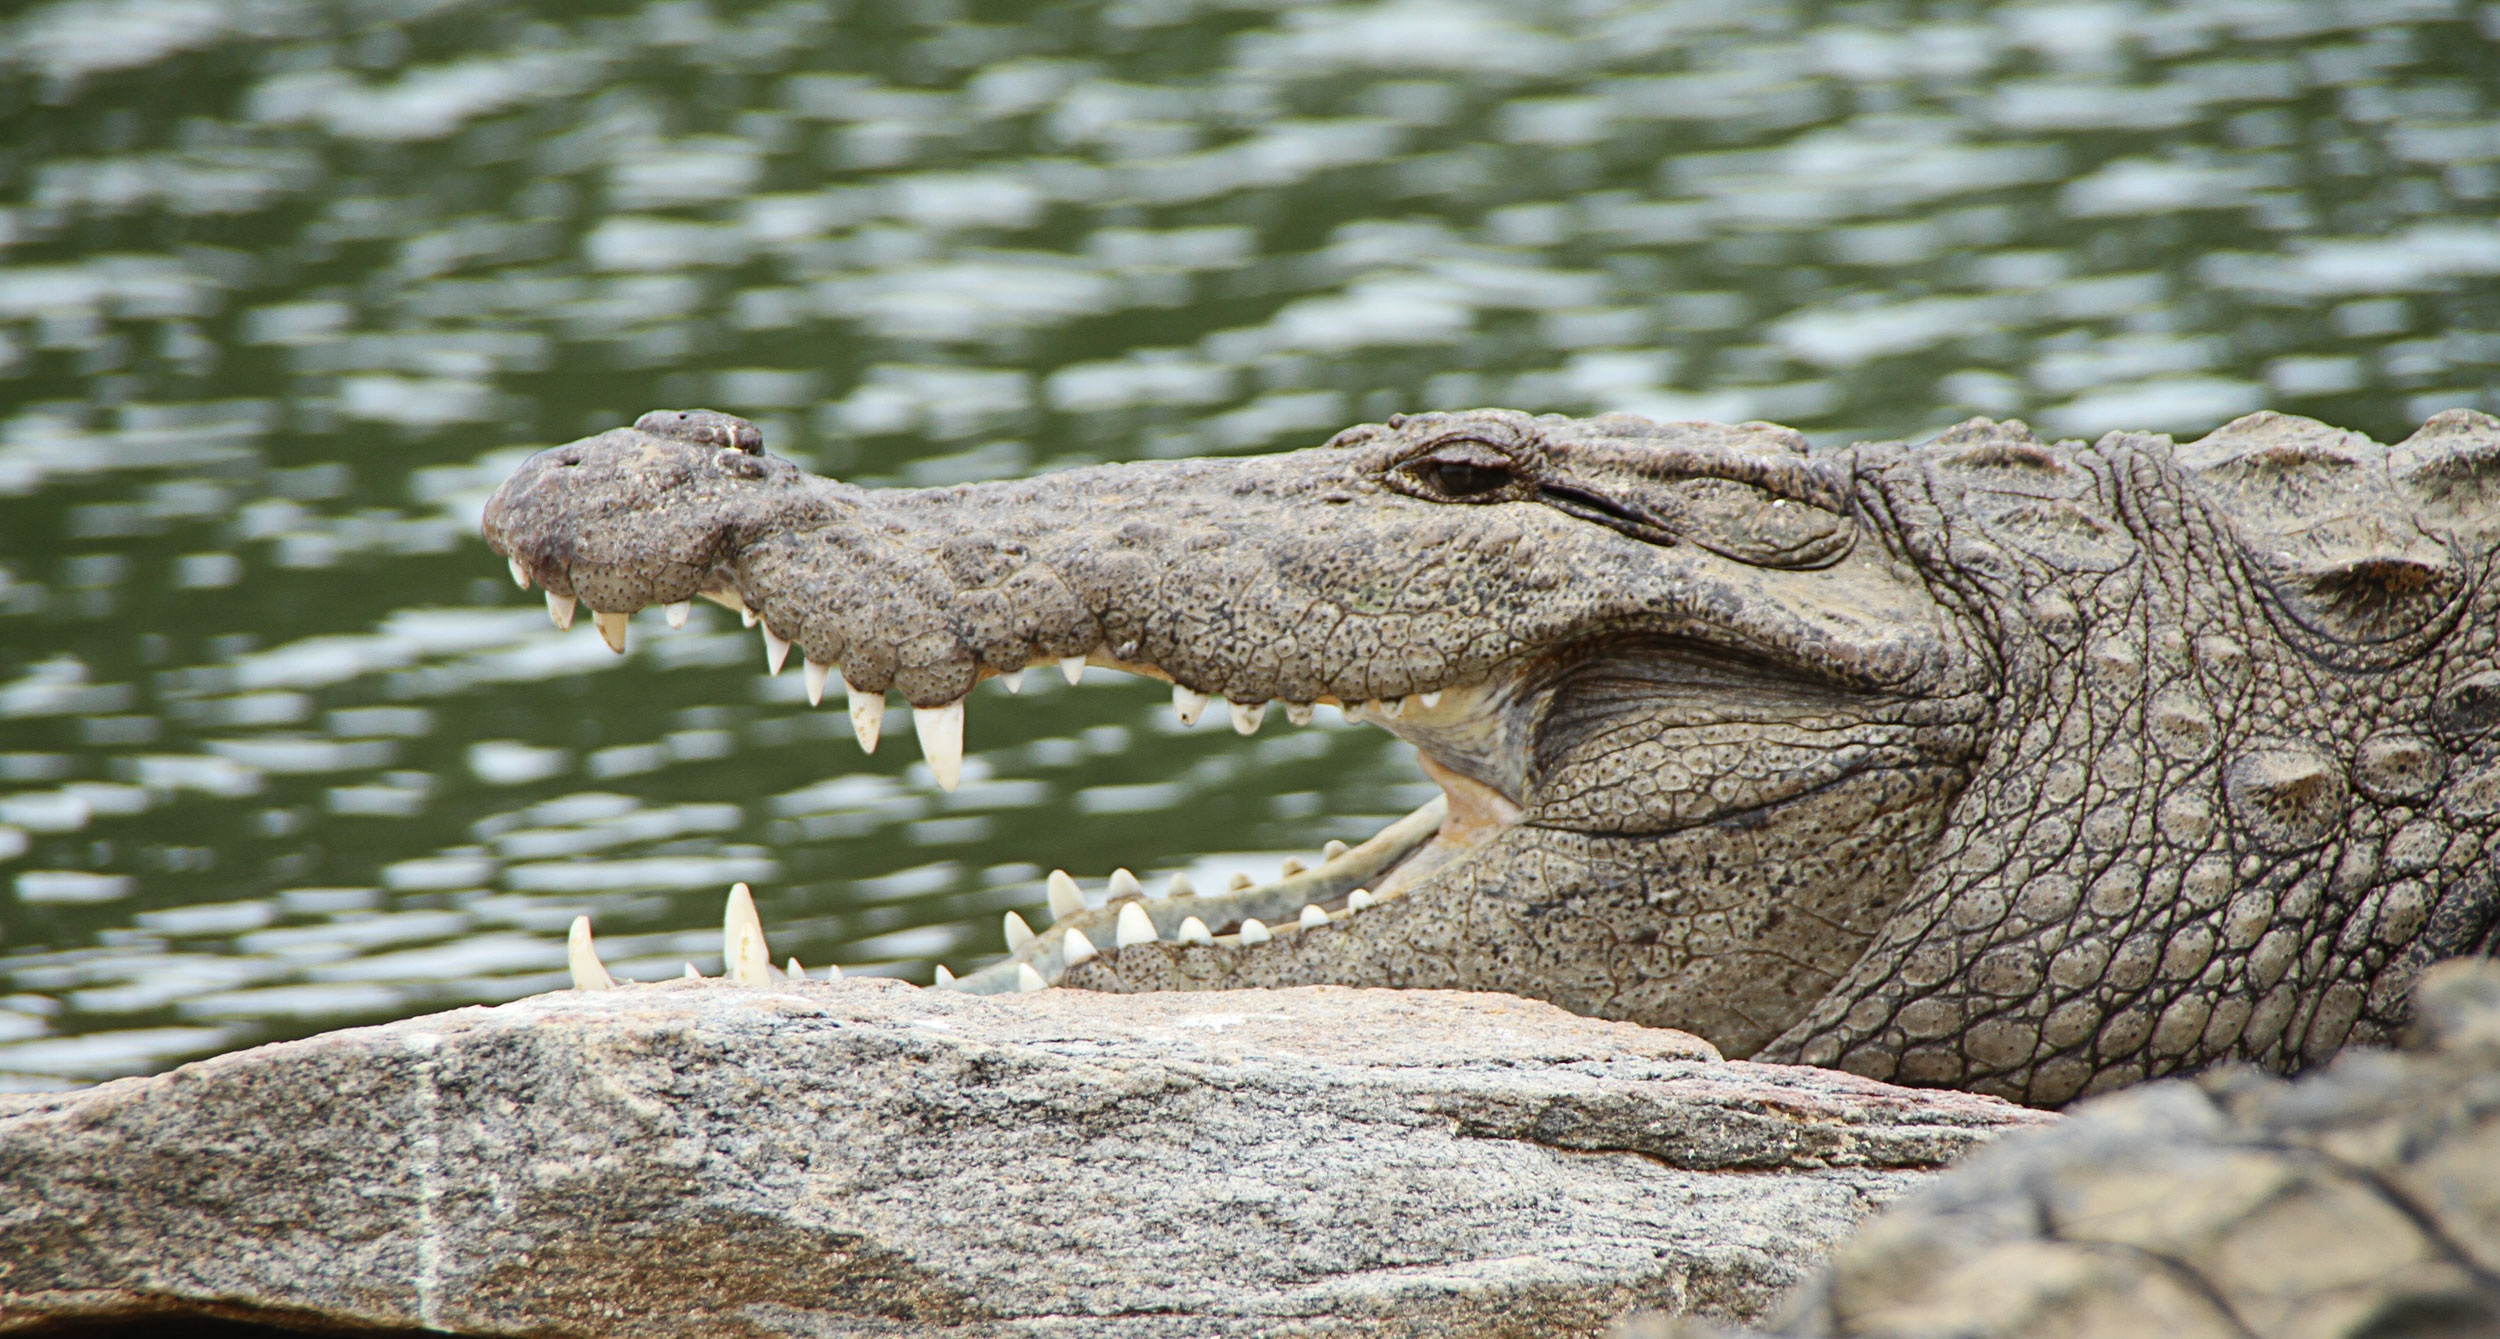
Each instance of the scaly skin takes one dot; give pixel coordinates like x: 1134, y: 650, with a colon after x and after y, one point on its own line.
x: 2033, y: 769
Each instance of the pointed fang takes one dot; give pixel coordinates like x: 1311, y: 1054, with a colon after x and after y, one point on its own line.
x: 942, y: 741
x: 743, y: 955
x: 677, y: 613
x: 1028, y: 980
x: 1019, y: 934
x: 1332, y: 850
x: 816, y: 675
x: 1188, y: 704
x: 1430, y: 700
x: 1014, y: 679
x: 1180, y: 886
x: 1075, y: 948
x: 1312, y: 916
x: 1072, y: 668
x: 1194, y: 931
x: 560, y: 611
x: 1246, y: 719
x: 943, y: 977
x: 1289, y: 868
x: 1238, y: 882
x: 1360, y: 899
x: 691, y: 974
x: 1254, y: 931
x: 1124, y: 884
x: 1065, y: 900
x: 867, y: 717
x: 796, y: 972
x: 1298, y: 712
x: 776, y: 652
x: 520, y: 574
x: 611, y: 630
x: 588, y: 972
x: 1135, y: 927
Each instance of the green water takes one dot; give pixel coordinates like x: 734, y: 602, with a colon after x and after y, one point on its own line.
x: 287, y: 287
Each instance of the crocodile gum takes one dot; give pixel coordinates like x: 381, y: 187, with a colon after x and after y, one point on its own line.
x: 2032, y: 768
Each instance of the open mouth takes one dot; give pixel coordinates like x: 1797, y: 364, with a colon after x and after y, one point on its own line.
x: 1453, y: 729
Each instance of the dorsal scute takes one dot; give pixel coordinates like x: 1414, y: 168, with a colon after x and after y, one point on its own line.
x: 2339, y: 543
x: 2268, y: 443
x: 2450, y: 470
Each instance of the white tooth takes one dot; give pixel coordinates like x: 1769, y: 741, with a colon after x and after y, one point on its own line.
x: 1393, y: 708
x: 727, y: 597
x: 867, y: 716
x: 692, y: 974
x: 944, y: 977
x: 1430, y: 700
x: 560, y: 611
x: 1072, y: 668
x: 611, y: 630
x: 677, y: 613
x: 1238, y: 882
x: 1028, y: 980
x: 1065, y: 900
x: 588, y: 972
x: 1019, y: 934
x: 1298, y: 712
x: 1332, y: 850
x: 1360, y: 899
x: 520, y: 574
x: 1246, y: 719
x: 1076, y: 948
x: 776, y: 652
x: 1193, y: 931
x: 1254, y: 932
x: 816, y: 676
x: 743, y: 955
x: 746, y: 616
x: 1014, y: 679
x: 834, y: 972
x: 1312, y: 916
x: 1180, y: 886
x: 1290, y: 868
x: 1187, y: 704
x: 942, y: 741
x: 1124, y: 884
x: 797, y: 973
x: 1135, y: 927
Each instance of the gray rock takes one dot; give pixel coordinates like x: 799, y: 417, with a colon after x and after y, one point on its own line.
x: 2359, y: 1202
x: 865, y: 1158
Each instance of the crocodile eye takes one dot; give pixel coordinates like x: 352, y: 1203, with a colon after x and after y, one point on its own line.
x: 1460, y: 479
x: 1459, y: 472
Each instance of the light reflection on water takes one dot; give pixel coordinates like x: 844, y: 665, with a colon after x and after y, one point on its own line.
x: 286, y: 288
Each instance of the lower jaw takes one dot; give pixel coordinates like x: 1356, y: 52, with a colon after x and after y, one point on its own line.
x: 1343, y: 887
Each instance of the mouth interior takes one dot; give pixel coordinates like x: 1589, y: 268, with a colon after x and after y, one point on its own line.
x: 1448, y: 727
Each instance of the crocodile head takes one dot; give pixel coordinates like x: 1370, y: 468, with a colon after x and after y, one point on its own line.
x: 1689, y: 713
x: 2024, y: 767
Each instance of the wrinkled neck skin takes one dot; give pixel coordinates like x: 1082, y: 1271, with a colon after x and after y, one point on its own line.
x: 1694, y: 719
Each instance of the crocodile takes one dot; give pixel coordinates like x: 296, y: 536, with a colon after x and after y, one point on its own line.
x: 2034, y: 768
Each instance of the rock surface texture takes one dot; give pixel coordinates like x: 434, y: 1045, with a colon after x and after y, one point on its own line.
x: 2361, y: 1202
x: 865, y: 1158
x: 2035, y: 768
